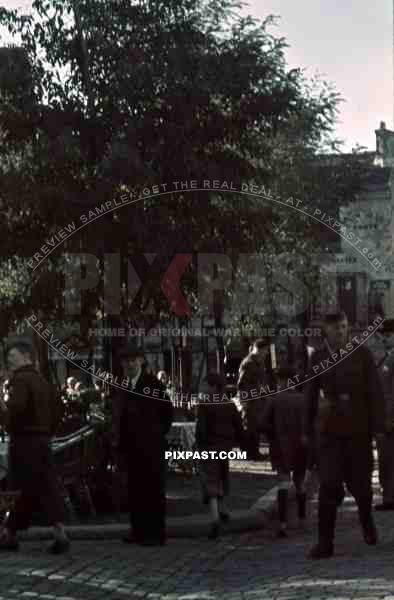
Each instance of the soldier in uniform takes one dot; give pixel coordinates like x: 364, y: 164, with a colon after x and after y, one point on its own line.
x: 384, y: 358
x: 344, y: 409
x: 252, y: 376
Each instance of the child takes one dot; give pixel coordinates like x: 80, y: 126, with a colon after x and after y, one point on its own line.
x: 219, y: 428
x: 283, y: 422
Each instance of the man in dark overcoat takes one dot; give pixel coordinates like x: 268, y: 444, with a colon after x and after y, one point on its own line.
x: 344, y: 410
x: 30, y: 419
x: 142, y: 414
x: 383, y: 350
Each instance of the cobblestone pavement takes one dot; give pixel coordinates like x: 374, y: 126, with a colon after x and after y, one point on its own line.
x: 246, y: 566
x: 248, y: 482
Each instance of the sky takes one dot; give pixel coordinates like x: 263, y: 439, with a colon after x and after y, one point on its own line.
x: 348, y: 42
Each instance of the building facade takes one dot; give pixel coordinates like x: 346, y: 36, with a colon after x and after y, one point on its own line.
x: 365, y: 265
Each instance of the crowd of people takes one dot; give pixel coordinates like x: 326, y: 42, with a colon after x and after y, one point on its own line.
x: 346, y: 403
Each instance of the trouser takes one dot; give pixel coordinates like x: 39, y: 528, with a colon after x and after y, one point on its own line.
x: 386, y: 466
x: 215, y: 478
x: 284, y: 479
x: 342, y: 460
x: 147, y: 495
x: 32, y: 472
x: 252, y: 432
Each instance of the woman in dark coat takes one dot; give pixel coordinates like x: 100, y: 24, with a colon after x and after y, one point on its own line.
x: 283, y: 422
x: 219, y: 428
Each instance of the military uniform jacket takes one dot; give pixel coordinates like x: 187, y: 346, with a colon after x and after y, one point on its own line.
x: 345, y: 396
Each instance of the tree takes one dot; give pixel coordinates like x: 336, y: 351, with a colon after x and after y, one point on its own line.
x: 133, y: 94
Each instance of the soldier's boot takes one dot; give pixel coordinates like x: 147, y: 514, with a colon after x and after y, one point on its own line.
x: 214, y: 530
x: 327, y: 513
x: 301, y: 505
x: 282, y: 500
x: 368, y: 526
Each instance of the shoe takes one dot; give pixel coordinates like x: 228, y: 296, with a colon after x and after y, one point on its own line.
x: 224, y: 517
x: 214, y: 531
x: 59, y: 546
x: 9, y: 545
x: 321, y: 550
x: 385, y: 506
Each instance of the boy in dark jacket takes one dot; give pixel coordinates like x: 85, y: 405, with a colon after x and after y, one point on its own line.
x: 29, y: 419
x: 219, y: 428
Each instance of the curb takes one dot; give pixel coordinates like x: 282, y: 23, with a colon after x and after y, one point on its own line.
x: 194, y: 526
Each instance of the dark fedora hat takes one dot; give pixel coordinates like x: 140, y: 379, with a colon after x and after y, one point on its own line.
x: 130, y: 350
